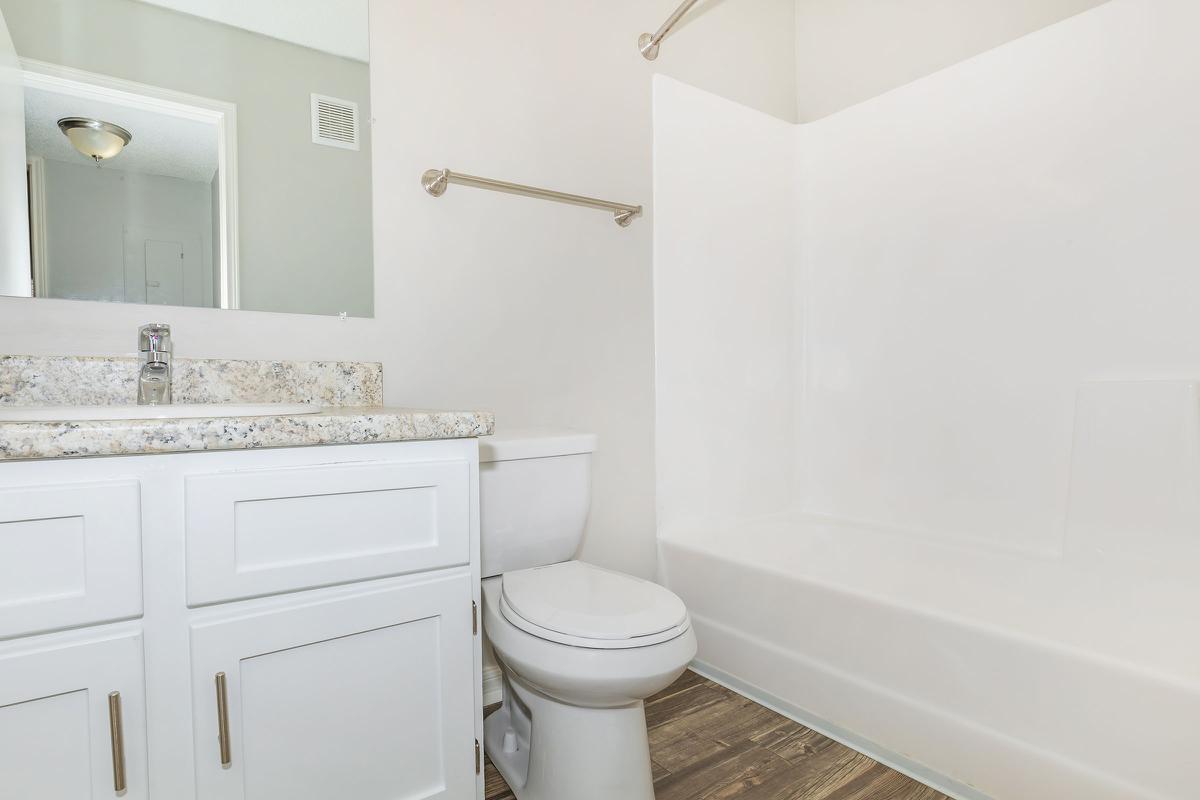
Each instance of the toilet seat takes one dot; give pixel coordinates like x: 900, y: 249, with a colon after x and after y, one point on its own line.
x: 581, y: 605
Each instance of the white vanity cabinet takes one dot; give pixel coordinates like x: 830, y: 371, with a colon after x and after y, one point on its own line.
x: 294, y: 623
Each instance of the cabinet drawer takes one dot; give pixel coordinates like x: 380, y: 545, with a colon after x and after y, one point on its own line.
x: 261, y: 532
x: 70, y: 554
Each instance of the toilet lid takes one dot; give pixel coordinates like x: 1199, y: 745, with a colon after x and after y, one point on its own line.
x: 585, y: 606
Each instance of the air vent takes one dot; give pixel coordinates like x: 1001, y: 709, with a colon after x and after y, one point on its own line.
x: 334, y: 122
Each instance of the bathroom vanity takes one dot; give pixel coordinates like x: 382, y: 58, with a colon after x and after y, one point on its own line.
x: 294, y: 622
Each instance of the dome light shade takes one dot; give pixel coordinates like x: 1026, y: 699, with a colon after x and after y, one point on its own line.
x: 95, y: 139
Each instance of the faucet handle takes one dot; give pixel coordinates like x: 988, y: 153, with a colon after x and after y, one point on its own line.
x: 154, y: 338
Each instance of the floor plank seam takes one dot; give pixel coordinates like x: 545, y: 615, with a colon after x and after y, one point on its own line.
x: 710, y: 743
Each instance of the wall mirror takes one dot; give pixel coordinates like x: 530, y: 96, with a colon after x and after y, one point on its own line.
x: 211, y: 153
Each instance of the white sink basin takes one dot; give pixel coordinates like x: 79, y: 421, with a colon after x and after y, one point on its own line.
x: 179, y: 411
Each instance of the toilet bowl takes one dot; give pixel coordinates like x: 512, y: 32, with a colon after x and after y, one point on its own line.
x: 580, y: 647
x: 572, y: 725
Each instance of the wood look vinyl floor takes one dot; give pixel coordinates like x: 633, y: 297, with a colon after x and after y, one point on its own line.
x: 709, y: 743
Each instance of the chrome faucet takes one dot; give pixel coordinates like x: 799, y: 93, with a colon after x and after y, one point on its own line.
x: 154, y: 380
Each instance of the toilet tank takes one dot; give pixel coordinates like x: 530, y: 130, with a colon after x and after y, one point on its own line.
x: 534, y: 494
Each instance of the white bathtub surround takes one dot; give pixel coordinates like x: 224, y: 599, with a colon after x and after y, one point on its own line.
x: 983, y: 558
x: 73, y: 380
x: 724, y: 320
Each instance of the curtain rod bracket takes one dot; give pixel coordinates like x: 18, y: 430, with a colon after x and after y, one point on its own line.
x: 648, y: 44
x: 435, y: 181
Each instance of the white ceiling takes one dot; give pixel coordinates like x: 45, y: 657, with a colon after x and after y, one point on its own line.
x: 333, y: 26
x: 162, y: 144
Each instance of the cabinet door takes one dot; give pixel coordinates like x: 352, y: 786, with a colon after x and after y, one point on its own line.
x: 73, y: 719
x: 365, y: 694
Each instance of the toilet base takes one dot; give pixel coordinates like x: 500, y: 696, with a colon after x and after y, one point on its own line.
x: 548, y: 750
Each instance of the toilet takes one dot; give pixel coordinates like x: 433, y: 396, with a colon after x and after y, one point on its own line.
x: 580, y: 647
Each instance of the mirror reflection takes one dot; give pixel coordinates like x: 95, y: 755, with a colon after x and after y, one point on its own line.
x: 188, y: 152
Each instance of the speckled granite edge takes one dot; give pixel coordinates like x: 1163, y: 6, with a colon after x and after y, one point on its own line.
x: 32, y: 440
x: 88, y: 381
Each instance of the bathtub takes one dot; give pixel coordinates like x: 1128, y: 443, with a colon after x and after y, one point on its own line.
x: 983, y: 673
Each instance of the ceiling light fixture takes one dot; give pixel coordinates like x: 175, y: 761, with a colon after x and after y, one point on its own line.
x: 95, y: 139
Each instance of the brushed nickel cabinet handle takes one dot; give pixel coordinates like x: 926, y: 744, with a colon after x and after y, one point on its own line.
x: 116, y: 730
x: 223, y: 720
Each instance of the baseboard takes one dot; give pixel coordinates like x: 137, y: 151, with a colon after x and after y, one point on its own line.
x: 493, y: 685
x: 914, y: 770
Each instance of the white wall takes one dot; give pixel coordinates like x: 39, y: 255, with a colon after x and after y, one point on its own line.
x: 848, y: 51
x: 732, y: 48
x: 339, y: 28
x: 538, y: 311
x: 724, y: 266
x: 88, y: 211
x: 14, y: 227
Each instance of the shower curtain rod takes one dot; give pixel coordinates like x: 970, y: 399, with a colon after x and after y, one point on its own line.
x: 435, y: 182
x: 649, y: 44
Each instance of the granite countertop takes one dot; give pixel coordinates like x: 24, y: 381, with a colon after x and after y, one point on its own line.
x: 349, y: 396
x: 336, y: 425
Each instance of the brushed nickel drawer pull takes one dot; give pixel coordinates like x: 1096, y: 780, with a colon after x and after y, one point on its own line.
x: 223, y: 720
x: 116, y: 730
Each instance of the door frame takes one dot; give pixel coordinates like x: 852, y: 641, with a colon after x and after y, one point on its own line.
x: 35, y: 167
x: 144, y: 97
x: 193, y: 251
